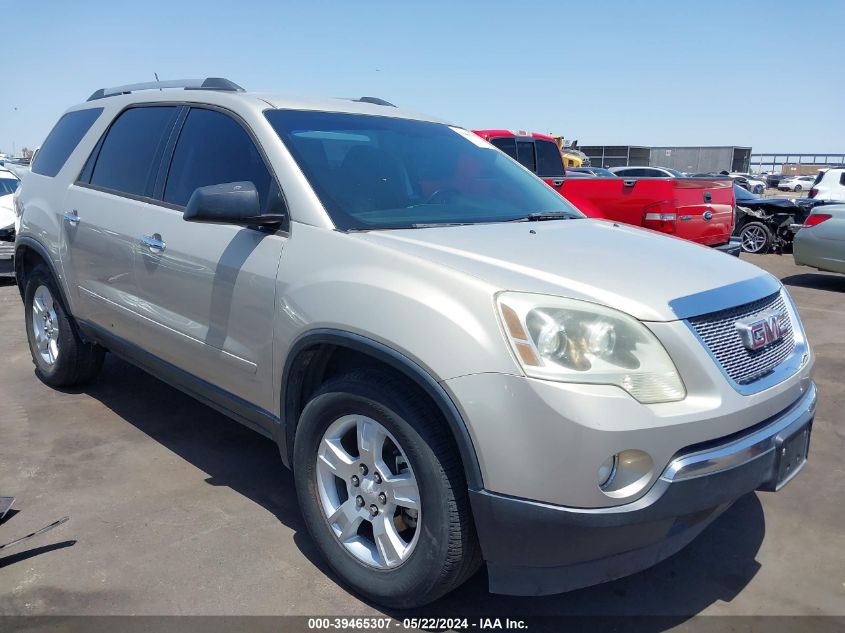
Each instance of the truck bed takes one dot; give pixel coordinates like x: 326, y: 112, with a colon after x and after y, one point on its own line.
x: 697, y: 209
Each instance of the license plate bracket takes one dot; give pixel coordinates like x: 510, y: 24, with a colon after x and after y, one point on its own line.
x: 791, y: 454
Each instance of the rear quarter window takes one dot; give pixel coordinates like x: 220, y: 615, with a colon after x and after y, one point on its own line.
x: 63, y: 139
x: 506, y: 144
x: 549, y: 159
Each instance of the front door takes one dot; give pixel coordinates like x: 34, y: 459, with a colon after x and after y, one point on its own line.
x: 207, y: 291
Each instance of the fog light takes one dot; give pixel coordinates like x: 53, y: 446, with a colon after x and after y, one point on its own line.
x: 626, y: 473
x: 607, y: 471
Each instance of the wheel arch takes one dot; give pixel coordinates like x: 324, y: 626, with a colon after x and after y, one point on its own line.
x: 308, y: 365
x: 29, y: 253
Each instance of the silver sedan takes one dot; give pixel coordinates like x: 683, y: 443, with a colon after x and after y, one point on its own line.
x: 821, y: 240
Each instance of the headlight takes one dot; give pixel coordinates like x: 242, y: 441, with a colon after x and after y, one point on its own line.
x: 577, y: 341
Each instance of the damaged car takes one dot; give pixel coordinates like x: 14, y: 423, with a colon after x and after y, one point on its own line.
x: 766, y: 225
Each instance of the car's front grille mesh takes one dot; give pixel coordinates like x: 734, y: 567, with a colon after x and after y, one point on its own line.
x: 719, y: 333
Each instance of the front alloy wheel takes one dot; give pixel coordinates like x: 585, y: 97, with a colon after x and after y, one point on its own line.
x: 382, y: 490
x: 368, y: 492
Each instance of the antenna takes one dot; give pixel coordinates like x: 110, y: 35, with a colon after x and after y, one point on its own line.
x: 157, y: 79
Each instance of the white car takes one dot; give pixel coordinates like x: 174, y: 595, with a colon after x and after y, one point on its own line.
x: 829, y: 185
x: 630, y: 171
x: 749, y: 182
x: 798, y: 183
x: 8, y: 185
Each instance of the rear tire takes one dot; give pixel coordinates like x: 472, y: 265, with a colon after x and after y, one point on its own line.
x: 61, y: 357
x: 756, y: 238
x: 440, y: 549
x: 797, y: 188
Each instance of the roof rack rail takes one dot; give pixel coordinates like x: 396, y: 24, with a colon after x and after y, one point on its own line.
x: 374, y: 101
x: 209, y: 83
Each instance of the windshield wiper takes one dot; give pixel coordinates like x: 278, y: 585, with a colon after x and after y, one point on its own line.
x: 430, y: 225
x: 541, y: 216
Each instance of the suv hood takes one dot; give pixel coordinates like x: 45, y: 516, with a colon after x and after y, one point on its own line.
x: 627, y: 268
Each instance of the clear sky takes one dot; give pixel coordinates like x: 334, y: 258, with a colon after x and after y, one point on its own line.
x: 764, y: 74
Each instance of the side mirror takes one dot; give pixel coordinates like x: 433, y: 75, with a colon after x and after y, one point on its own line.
x: 229, y: 203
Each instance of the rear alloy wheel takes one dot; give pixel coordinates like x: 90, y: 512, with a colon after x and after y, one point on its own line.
x: 797, y: 188
x: 756, y: 238
x: 45, y: 326
x: 62, y: 358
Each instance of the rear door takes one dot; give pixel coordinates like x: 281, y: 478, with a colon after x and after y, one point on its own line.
x: 104, y: 212
x: 207, y: 291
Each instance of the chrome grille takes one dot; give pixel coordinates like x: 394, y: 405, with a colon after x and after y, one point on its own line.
x: 719, y: 333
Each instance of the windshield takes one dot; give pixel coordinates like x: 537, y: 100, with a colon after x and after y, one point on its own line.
x: 375, y: 172
x: 8, y: 185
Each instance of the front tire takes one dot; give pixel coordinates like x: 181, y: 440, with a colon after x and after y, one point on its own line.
x: 797, y: 188
x: 61, y: 357
x: 382, y: 490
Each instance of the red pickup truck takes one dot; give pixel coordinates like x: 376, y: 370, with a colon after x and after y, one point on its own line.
x: 697, y: 209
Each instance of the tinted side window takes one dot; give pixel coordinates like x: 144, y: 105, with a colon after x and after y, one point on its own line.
x: 214, y: 149
x: 549, y: 159
x: 525, y: 154
x: 129, y: 158
x: 62, y: 140
x: 842, y: 178
x: 506, y: 144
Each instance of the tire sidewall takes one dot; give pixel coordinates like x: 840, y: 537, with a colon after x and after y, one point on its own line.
x: 418, y: 574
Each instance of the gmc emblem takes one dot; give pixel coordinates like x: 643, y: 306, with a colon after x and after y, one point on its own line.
x: 761, y: 329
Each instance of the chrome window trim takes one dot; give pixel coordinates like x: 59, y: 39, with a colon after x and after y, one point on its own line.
x: 744, y: 449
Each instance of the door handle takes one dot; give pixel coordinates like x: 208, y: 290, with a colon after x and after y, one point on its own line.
x: 557, y: 182
x: 72, y: 217
x: 629, y: 183
x: 154, y: 243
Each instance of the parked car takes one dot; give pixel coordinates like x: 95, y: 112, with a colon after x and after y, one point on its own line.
x: 456, y: 364
x: 829, y: 185
x: 697, y: 210
x: 820, y: 241
x: 601, y: 172
x: 797, y: 183
x: 9, y: 183
x: 768, y: 224
x: 772, y: 180
x: 749, y: 183
x: 646, y: 172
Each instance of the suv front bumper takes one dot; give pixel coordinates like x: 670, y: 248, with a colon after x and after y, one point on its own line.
x: 533, y: 548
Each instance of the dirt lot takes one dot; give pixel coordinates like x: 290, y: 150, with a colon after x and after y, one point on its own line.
x: 176, y: 510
